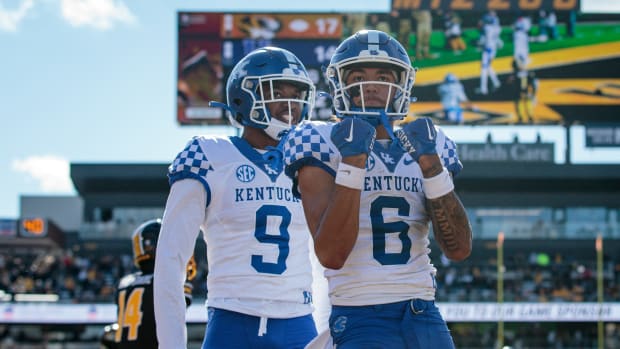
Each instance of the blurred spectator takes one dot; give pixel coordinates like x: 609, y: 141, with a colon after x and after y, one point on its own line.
x: 379, y: 22
x: 199, y: 79
x: 74, y: 278
x: 557, y: 281
x: 353, y: 22
x: 570, y: 25
x: 612, y: 336
x: 547, y: 26
x: 400, y: 23
x: 452, y: 31
x: 424, y: 29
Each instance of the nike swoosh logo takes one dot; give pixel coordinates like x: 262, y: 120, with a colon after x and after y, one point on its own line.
x: 430, y: 135
x: 350, y: 138
x: 407, y: 162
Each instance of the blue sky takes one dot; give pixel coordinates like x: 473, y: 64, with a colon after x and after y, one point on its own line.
x: 93, y: 81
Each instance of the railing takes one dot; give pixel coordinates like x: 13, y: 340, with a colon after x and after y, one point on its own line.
x: 107, y: 230
x: 485, y: 228
x: 525, y: 229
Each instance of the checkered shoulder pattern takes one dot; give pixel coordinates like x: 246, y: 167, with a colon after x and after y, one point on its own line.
x: 190, y: 163
x: 306, y: 146
x: 306, y: 142
x: 449, y: 157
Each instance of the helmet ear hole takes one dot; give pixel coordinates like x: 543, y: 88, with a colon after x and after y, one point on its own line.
x: 238, y: 102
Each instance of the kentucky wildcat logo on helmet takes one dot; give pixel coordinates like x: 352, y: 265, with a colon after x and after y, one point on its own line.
x: 370, y: 48
x: 251, y: 84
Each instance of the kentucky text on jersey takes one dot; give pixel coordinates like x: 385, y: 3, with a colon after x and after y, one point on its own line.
x: 264, y: 193
x: 411, y: 184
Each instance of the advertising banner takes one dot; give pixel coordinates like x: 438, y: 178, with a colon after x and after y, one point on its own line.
x: 54, y: 313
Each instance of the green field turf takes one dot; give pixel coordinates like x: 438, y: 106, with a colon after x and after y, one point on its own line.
x: 585, y: 34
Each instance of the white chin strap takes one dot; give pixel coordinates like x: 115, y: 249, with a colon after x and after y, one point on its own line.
x: 276, y: 129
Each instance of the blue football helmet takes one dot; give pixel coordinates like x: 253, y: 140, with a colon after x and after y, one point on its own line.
x: 247, y: 97
x: 490, y: 18
x: 370, y: 48
x: 450, y: 78
x: 522, y: 24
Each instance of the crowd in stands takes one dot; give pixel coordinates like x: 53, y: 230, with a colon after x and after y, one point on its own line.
x: 535, y: 335
x: 537, y: 277
x: 74, y: 278
x: 414, y: 28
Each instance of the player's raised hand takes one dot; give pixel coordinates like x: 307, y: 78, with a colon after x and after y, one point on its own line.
x: 353, y: 136
x: 418, y: 138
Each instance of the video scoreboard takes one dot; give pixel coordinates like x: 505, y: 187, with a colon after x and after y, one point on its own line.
x: 210, y: 44
x: 29, y: 227
x: 568, y: 72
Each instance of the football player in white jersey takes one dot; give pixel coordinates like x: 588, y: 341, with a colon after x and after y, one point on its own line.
x: 235, y: 191
x: 521, y: 41
x: 452, y: 94
x: 490, y: 42
x: 369, y: 202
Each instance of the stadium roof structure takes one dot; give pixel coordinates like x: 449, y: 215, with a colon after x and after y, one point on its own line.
x: 97, y: 178
x: 120, y: 185
x: 146, y: 185
x: 537, y: 183
x: 480, y: 184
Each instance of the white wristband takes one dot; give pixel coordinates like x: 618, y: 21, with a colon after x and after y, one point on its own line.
x: 350, y: 176
x: 438, y: 186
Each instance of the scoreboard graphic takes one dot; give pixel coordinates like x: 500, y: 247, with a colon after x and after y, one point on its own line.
x: 571, y: 61
x: 210, y: 44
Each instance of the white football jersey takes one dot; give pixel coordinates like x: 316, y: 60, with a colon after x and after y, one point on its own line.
x: 389, y: 262
x: 451, y: 94
x: 490, y: 39
x: 521, y: 43
x: 255, y: 229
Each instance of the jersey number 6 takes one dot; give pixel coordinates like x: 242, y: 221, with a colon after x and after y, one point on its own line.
x: 380, y: 229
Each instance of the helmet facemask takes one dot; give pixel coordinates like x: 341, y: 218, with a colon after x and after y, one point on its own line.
x: 264, y: 92
x: 261, y: 71
x: 396, y: 105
